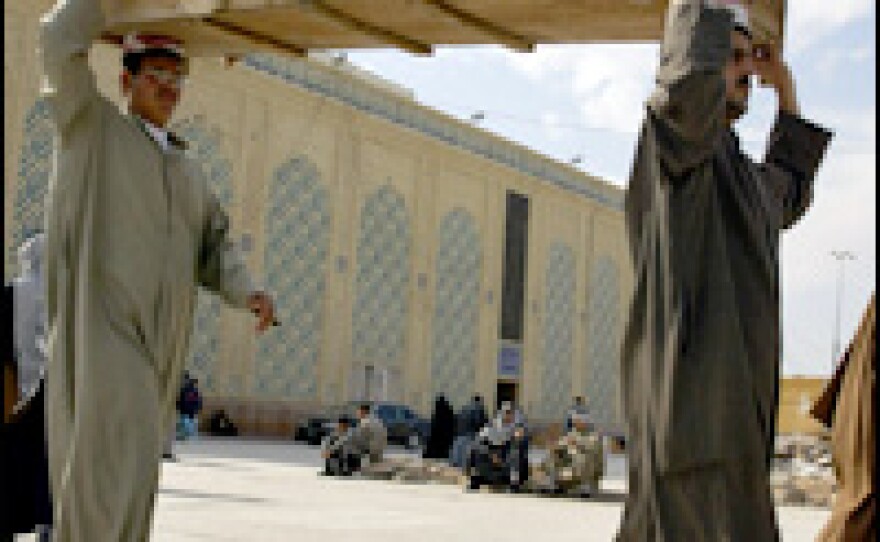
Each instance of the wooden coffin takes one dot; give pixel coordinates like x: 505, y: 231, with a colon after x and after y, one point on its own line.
x: 232, y: 27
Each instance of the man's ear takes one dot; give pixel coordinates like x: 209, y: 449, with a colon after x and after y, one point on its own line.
x: 125, y: 82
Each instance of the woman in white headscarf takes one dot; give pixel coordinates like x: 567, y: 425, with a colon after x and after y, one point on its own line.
x: 29, y: 302
x: 28, y: 472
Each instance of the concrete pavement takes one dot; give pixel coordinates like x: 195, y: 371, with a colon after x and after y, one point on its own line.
x: 270, y: 491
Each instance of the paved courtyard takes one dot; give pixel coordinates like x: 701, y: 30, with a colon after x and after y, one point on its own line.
x: 268, y: 491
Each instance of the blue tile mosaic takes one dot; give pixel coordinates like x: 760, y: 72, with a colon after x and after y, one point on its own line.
x: 296, y: 263
x: 455, y: 329
x: 558, y: 336
x: 603, y: 343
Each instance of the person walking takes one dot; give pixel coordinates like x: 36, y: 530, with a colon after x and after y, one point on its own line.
x: 701, y: 352
x: 132, y: 231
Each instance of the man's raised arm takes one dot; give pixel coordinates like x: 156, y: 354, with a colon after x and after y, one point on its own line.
x: 66, y: 35
x: 796, y: 147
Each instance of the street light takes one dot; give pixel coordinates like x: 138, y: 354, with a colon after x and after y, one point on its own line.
x: 842, y: 256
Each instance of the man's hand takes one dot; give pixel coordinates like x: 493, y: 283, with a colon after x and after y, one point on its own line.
x: 261, y: 305
x: 775, y: 73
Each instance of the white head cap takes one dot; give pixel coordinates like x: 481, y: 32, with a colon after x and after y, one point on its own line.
x: 741, y: 17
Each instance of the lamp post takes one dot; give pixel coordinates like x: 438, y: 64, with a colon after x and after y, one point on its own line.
x: 842, y: 256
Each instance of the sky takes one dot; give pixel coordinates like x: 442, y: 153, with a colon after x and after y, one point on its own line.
x: 588, y: 101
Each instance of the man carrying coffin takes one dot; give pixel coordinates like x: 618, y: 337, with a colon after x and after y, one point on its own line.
x: 700, y: 359
x: 132, y: 230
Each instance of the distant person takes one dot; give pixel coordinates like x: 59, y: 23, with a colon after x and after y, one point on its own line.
x: 575, y: 463
x: 579, y: 408
x: 220, y: 425
x: 442, y: 430
x: 171, y: 432
x: 189, y: 405
x: 30, y: 313
x: 340, y: 457
x: 499, y: 454
x: 26, y: 505
x: 471, y: 420
x: 369, y: 437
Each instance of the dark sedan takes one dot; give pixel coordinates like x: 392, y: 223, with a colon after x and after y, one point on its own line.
x: 404, y: 426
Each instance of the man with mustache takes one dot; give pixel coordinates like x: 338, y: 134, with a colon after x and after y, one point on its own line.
x: 700, y: 359
x: 132, y: 230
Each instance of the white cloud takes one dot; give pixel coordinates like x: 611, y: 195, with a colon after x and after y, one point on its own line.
x: 812, y: 20
x: 551, y: 123
x: 828, y: 61
x: 610, y: 82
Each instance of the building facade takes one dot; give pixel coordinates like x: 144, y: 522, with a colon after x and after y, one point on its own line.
x: 797, y: 395
x: 409, y: 254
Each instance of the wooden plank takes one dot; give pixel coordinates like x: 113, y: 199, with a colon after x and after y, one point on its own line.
x: 238, y: 26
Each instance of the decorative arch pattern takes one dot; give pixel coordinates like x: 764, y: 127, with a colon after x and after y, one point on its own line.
x: 459, y: 265
x: 298, y: 226
x: 206, y: 149
x: 559, y: 317
x: 381, y: 307
x: 603, y: 350
x: 34, y: 170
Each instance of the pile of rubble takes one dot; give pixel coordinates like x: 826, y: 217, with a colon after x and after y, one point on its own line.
x: 802, y: 473
x: 414, y: 470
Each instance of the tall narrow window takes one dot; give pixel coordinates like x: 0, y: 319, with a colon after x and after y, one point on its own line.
x: 516, y: 247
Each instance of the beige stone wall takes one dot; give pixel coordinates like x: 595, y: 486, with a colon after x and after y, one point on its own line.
x: 797, y: 395
x: 259, y: 122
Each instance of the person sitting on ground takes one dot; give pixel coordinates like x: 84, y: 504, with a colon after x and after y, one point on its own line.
x: 336, y: 451
x: 471, y: 420
x: 577, y: 408
x: 369, y: 437
x: 220, y: 425
x: 499, y: 454
x: 574, y: 465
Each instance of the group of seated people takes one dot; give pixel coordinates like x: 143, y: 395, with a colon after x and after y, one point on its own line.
x: 354, y: 443
x: 496, y: 456
x: 573, y: 465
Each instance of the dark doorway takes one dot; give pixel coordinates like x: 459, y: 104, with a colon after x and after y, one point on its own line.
x: 505, y: 392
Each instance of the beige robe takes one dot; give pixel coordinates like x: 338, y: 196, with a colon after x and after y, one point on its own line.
x: 700, y: 359
x: 848, y: 406
x: 131, y: 232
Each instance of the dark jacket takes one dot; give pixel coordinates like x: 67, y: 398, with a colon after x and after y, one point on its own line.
x: 189, y: 402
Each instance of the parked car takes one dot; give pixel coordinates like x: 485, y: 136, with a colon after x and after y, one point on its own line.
x: 317, y: 427
x: 404, y: 426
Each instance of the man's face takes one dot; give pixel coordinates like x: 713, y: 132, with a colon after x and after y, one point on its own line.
x: 154, y: 92
x: 738, y: 76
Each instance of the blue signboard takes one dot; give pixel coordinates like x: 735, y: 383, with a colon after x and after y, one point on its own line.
x: 509, y: 361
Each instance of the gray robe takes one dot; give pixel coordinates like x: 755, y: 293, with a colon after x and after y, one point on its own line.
x: 131, y: 232
x: 700, y: 359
